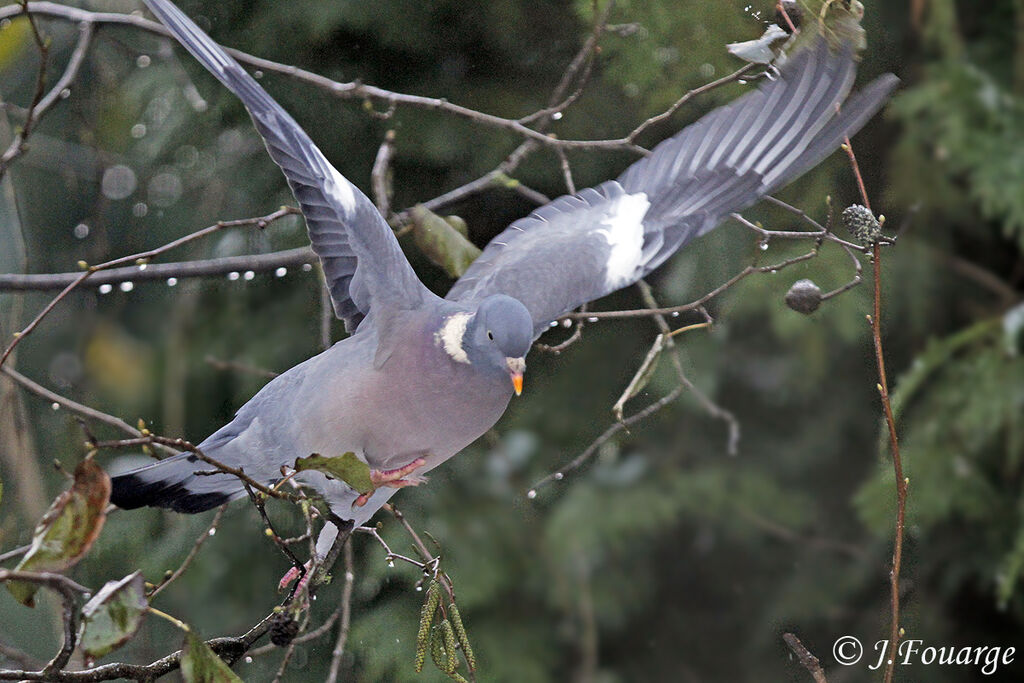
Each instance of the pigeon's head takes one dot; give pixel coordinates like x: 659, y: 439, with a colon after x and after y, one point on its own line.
x: 499, y: 336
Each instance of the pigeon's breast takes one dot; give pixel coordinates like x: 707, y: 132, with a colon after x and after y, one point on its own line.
x: 430, y: 405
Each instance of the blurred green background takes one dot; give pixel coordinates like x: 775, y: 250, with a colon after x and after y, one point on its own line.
x: 663, y: 559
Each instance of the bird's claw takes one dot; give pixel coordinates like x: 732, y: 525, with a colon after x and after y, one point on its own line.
x: 395, y: 479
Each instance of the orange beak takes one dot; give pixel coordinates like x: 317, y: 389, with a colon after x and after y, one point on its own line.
x: 517, y: 382
x: 516, y: 368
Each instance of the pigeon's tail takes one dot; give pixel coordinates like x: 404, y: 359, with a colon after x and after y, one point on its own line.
x: 174, y: 484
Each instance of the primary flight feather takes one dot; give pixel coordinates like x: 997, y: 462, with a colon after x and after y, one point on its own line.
x: 421, y: 377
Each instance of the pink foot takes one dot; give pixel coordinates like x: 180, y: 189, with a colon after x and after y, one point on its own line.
x: 293, y: 574
x: 394, y: 479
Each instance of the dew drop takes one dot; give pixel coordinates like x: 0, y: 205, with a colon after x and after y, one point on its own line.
x: 140, y: 209
x: 126, y: 286
x: 531, y: 494
x: 281, y: 272
x: 257, y: 74
x: 138, y: 131
x: 559, y: 476
x: 233, y: 275
x: 55, y: 406
x: 557, y: 115
x: 742, y: 81
x: 248, y: 660
x: 142, y: 61
x: 763, y: 245
x: 249, y: 275
x: 171, y: 281
x: 65, y: 93
x: 81, y: 231
x: 592, y: 319
x: 566, y: 323
x: 306, y: 267
x: 419, y: 588
x: 211, y: 532
x: 553, y: 323
x: 118, y: 182
x: 675, y: 314
x: 106, y: 289
x: 773, y: 271
x: 391, y: 564
x: 143, y: 266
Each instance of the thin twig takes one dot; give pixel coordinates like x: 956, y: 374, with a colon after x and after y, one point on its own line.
x: 142, y: 259
x: 605, y: 436
x: 73, y: 406
x: 17, y: 146
x: 707, y: 87
x: 345, y: 609
x: 200, y: 540
x: 354, y: 90
x: 716, y: 411
x: 875, y: 320
x: 809, y: 661
x: 257, y: 263
x: 69, y: 592
x: 228, y: 648
x: 696, y: 304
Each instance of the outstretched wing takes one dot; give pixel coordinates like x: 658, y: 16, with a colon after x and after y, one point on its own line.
x: 581, y: 247
x: 361, y: 258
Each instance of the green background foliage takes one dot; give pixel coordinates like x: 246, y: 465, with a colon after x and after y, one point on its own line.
x: 665, y: 557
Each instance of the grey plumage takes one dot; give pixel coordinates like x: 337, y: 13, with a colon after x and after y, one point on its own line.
x: 421, y: 376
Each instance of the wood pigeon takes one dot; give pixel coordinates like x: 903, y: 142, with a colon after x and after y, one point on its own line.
x: 420, y: 377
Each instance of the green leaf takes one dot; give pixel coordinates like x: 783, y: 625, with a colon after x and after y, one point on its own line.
x: 346, y: 467
x: 199, y: 664
x: 443, y: 241
x: 113, y: 616
x: 67, y: 530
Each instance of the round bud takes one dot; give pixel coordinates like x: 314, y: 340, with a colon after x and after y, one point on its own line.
x: 804, y: 297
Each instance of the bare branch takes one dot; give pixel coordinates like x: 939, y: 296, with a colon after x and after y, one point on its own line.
x: 142, y: 259
x: 257, y: 263
x: 809, y: 661
x: 345, y: 609
x: 200, y: 540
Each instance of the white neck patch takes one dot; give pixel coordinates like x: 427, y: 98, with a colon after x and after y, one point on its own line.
x: 625, y: 236
x: 451, y: 334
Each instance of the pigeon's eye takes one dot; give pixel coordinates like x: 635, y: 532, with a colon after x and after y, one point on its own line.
x: 490, y: 335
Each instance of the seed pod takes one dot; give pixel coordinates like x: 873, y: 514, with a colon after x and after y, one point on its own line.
x: 861, y: 223
x: 283, y: 629
x: 804, y: 297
